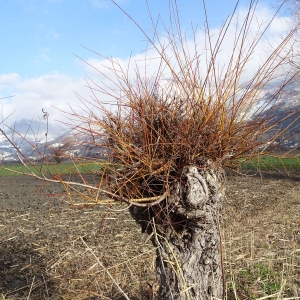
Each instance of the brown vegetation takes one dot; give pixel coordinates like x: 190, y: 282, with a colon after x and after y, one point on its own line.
x: 47, y: 246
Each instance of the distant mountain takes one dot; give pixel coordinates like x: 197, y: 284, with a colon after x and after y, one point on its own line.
x: 32, y: 130
x: 32, y: 137
x: 281, y: 105
x: 25, y: 134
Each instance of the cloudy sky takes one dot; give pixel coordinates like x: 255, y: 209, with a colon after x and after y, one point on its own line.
x: 42, y: 42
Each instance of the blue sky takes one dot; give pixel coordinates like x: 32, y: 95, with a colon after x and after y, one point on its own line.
x: 40, y: 37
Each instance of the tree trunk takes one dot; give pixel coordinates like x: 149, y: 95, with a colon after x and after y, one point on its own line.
x: 185, y: 230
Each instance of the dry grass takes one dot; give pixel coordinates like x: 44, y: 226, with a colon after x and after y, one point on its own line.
x: 70, y: 257
x: 262, y: 239
x: 48, y: 252
x: 119, y: 265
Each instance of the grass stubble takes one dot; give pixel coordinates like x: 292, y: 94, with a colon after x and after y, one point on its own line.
x: 97, y: 252
x: 261, y: 244
x: 261, y: 239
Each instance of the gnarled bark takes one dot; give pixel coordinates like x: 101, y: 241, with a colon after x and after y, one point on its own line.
x: 186, y: 233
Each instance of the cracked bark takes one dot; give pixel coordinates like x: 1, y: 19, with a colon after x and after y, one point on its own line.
x: 187, y: 237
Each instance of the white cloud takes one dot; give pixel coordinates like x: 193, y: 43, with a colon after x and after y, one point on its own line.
x: 9, y: 79
x: 56, y: 90
x: 271, y: 39
x: 53, y: 92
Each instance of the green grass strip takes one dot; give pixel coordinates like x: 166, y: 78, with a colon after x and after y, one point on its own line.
x: 272, y: 163
x: 64, y: 168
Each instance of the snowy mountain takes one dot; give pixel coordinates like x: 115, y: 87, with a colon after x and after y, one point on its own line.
x: 33, y: 136
x: 38, y: 131
x: 25, y: 135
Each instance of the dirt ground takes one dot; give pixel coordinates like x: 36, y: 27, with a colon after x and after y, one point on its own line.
x: 52, y: 250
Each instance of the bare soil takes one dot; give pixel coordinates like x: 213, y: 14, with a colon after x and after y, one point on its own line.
x: 50, y: 249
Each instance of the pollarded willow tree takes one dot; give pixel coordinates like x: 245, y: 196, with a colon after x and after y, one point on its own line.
x: 173, y: 130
